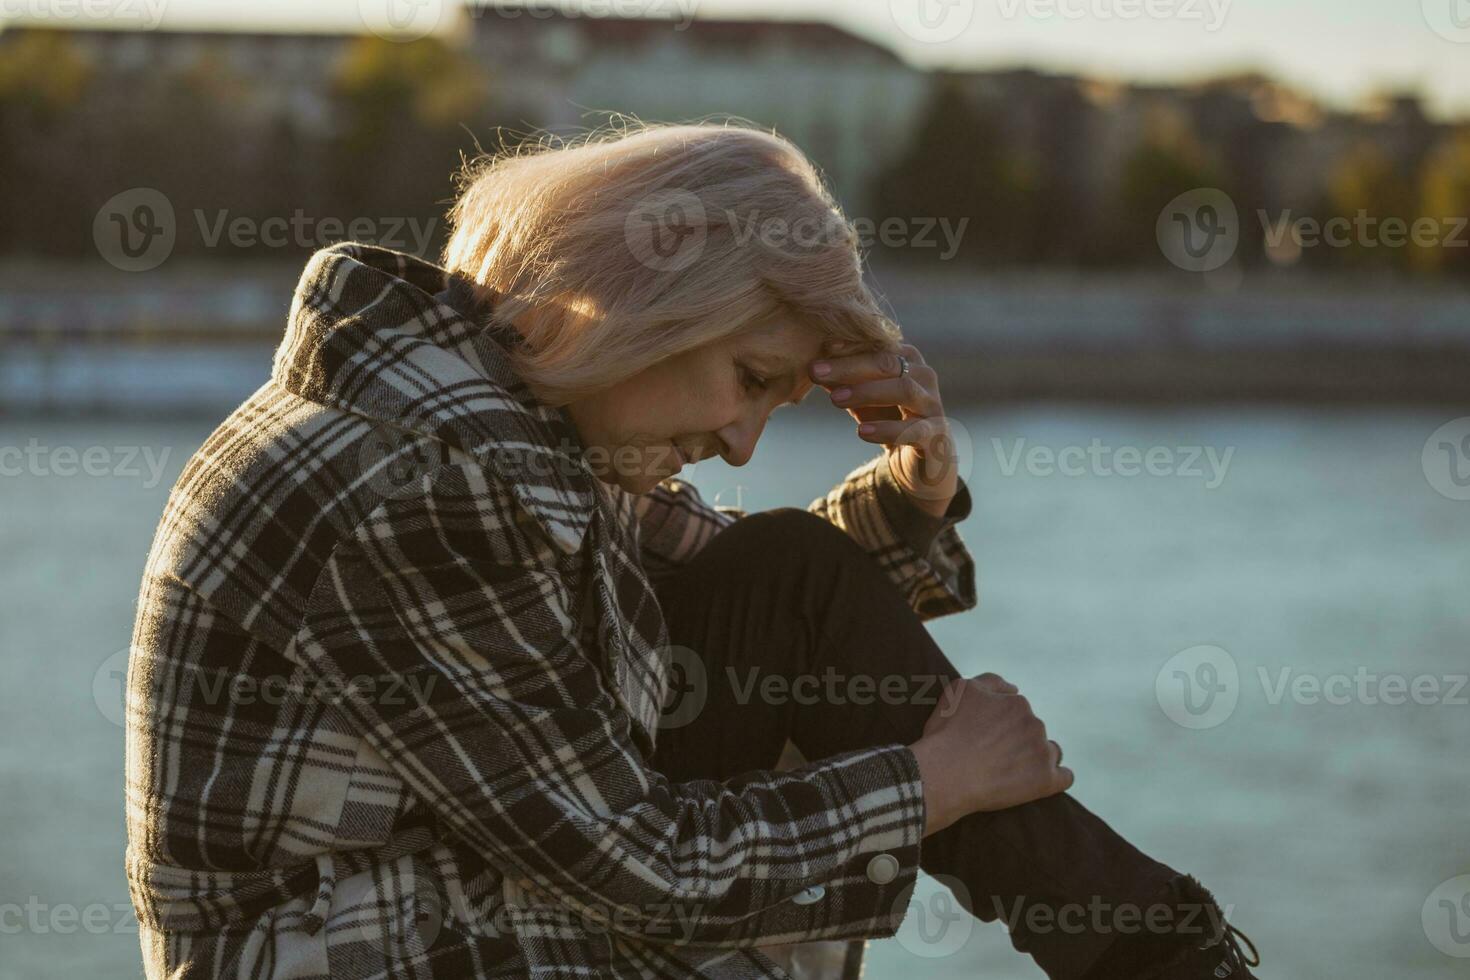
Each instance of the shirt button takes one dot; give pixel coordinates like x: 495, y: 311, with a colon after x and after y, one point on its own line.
x: 809, y: 895
x: 882, y: 869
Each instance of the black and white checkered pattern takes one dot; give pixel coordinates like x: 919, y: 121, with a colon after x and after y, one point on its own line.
x: 397, y: 668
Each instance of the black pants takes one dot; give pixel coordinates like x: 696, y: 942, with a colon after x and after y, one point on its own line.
x: 785, y: 594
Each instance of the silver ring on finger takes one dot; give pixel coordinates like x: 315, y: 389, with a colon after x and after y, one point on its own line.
x: 903, y: 365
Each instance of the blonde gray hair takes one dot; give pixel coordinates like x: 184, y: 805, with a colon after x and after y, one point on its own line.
x: 555, y: 233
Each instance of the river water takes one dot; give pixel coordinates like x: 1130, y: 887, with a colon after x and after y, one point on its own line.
x: 1306, y: 566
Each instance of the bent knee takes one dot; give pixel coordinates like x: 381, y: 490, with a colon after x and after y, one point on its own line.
x: 792, y: 530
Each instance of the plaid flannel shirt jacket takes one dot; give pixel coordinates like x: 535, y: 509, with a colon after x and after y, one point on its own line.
x: 397, y: 670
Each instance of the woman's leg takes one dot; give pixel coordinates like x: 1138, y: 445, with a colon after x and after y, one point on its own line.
x: 802, y: 636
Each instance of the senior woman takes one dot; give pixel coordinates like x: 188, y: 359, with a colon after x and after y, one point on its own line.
x: 441, y: 670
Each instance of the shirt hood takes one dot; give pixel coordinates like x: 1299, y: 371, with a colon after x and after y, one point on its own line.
x: 398, y: 339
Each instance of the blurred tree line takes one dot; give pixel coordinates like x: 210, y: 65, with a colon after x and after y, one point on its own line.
x: 1036, y: 203
x: 380, y: 133
x: 383, y: 146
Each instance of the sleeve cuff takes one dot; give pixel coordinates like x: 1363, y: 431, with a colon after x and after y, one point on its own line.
x: 917, y: 528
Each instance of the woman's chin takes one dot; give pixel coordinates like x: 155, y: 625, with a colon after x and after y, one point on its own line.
x: 634, y: 483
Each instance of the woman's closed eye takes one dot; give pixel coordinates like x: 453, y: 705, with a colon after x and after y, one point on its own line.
x: 749, y: 380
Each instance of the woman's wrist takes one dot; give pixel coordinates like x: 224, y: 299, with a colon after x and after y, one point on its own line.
x: 938, y: 808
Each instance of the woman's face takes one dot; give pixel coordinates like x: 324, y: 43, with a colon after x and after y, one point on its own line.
x: 713, y: 400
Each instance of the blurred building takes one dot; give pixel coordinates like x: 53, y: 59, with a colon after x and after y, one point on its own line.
x: 261, y: 126
x: 288, y: 73
x: 848, y: 102
x: 852, y: 104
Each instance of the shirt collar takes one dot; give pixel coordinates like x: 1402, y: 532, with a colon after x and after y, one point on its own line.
x: 397, y: 338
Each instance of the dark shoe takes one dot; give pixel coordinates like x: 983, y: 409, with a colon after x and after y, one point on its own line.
x: 1223, y: 959
x: 1202, y: 947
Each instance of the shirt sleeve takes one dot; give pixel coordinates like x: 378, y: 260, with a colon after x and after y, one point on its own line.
x: 925, y: 557
x: 515, y: 741
x: 919, y: 529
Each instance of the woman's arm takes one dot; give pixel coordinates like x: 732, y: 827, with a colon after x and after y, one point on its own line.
x: 517, y: 744
x: 924, y: 556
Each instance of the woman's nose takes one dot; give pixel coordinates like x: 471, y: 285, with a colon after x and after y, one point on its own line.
x: 739, y: 440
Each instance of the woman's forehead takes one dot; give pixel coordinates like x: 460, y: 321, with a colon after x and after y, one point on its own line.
x: 783, y: 339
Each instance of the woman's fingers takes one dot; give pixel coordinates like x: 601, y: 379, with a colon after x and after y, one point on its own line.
x: 1062, y: 777
x: 865, y: 366
x: 915, y: 391
x: 996, y: 683
x: 1065, y: 779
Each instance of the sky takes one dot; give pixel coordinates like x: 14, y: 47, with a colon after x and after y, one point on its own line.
x: 1339, y: 50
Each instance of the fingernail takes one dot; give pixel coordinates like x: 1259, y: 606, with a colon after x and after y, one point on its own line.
x: 840, y: 395
x: 821, y: 369
x: 867, y: 428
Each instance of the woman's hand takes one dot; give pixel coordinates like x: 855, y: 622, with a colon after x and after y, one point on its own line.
x: 983, y: 749
x: 904, y: 414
